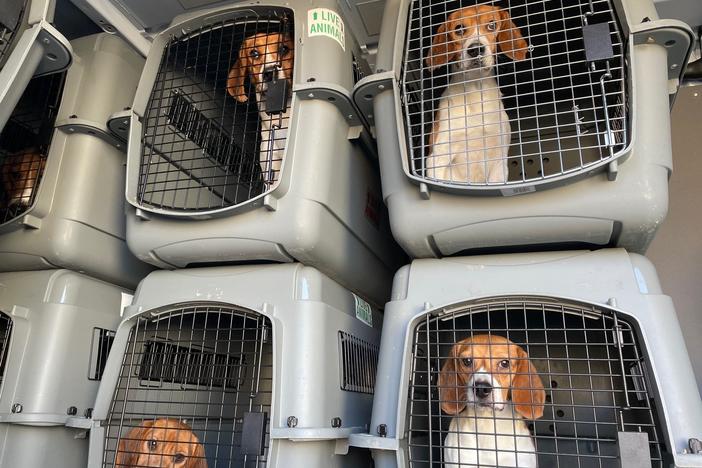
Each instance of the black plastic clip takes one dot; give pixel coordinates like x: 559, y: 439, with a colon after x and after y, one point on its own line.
x: 276, y: 101
x: 598, y: 42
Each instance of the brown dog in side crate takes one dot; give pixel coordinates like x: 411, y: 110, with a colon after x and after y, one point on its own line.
x: 160, y: 443
x: 20, y: 173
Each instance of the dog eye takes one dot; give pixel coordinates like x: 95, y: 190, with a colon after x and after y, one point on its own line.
x: 504, y: 364
x: 284, y: 50
x: 460, y: 30
x: 468, y: 362
x: 492, y: 25
x: 254, y: 53
x: 179, y: 458
x: 153, y: 444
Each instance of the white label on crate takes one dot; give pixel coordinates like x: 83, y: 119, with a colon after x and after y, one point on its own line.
x: 326, y: 22
x: 364, y: 312
x: 125, y: 302
x: 508, y: 192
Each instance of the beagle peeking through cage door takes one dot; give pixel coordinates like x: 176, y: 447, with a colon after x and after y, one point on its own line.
x: 489, y: 386
x: 161, y: 443
x: 471, y: 133
x: 267, y: 59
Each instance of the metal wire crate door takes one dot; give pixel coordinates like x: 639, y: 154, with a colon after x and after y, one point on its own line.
x: 203, y: 371
x: 5, y: 334
x: 25, y: 142
x: 207, y: 145
x: 564, y: 103
x: 11, y: 14
x: 586, y: 362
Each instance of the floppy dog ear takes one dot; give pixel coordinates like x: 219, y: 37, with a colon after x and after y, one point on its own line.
x: 528, y: 394
x: 452, y: 391
x: 198, y: 456
x: 129, y: 447
x: 510, y: 40
x: 237, y: 75
x: 443, y: 49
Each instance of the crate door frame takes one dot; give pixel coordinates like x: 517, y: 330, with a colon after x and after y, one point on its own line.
x: 656, y: 403
x: 147, y: 85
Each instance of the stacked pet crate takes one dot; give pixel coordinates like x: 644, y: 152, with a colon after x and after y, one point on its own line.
x: 29, y: 46
x: 541, y: 128
x: 253, y: 178
x: 65, y: 266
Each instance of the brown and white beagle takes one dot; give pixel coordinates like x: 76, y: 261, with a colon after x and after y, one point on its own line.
x: 160, y: 443
x: 471, y: 132
x: 265, y: 58
x: 489, y: 386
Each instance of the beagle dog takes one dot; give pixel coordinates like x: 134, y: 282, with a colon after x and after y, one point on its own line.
x: 471, y: 133
x: 490, y: 387
x: 20, y: 173
x: 265, y: 58
x: 161, y: 443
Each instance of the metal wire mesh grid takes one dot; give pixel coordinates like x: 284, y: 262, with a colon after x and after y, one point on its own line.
x: 201, y: 373
x: 11, y: 14
x: 211, y: 137
x: 567, y: 377
x: 359, y: 363
x: 485, y: 118
x: 5, y: 334
x: 24, y: 144
x: 358, y: 73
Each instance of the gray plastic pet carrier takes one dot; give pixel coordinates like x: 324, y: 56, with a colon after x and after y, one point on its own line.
x: 29, y: 46
x: 557, y: 359
x: 563, y: 103
x: 250, y: 366
x: 244, y: 146
x: 62, y: 171
x: 56, y: 329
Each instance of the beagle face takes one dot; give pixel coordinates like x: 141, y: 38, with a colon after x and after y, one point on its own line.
x: 20, y: 174
x: 471, y: 38
x: 163, y: 443
x: 263, y: 57
x: 490, y: 370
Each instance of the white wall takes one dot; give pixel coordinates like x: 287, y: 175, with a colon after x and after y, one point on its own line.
x: 677, y: 248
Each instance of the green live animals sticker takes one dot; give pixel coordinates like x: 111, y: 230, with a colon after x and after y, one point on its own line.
x: 364, y: 312
x: 326, y: 22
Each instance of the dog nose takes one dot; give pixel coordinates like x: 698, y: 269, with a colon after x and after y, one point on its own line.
x: 269, y: 73
x: 476, y: 50
x: 482, y: 389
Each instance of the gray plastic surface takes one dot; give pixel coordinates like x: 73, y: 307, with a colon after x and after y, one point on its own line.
x: 622, y: 206
x: 37, y: 49
x: 603, y: 277
x: 53, y: 317
x: 363, y: 16
x: 77, y: 220
x: 307, y: 310
x: 326, y: 211
x: 118, y: 123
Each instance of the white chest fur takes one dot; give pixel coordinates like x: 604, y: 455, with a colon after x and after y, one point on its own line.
x: 472, y: 133
x: 481, y: 437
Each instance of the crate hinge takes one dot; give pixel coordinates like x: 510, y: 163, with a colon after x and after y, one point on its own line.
x: 677, y: 38
x: 367, y: 89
